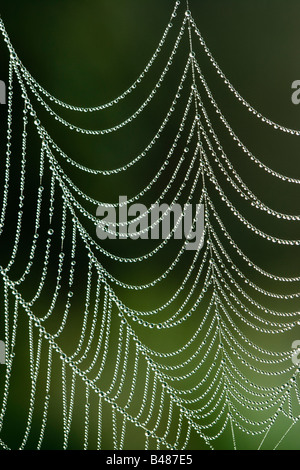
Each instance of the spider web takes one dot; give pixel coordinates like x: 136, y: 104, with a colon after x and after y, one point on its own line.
x: 88, y: 363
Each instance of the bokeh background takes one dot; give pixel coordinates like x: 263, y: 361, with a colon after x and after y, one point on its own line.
x: 87, y: 53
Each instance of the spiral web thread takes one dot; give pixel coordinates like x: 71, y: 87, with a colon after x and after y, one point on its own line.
x: 230, y: 377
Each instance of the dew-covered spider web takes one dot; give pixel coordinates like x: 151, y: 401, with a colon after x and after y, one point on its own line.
x: 127, y: 344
